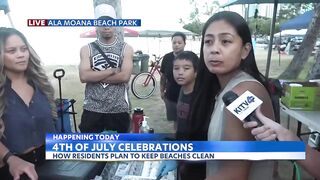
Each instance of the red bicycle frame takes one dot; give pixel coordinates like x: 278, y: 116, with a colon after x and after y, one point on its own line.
x: 154, y: 67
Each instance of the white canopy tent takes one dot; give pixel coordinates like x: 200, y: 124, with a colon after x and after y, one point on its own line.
x: 292, y: 32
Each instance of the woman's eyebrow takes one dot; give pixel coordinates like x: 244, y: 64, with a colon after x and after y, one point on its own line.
x: 226, y: 34
x: 220, y: 34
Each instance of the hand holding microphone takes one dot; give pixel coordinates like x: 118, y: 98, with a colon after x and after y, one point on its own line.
x: 270, y: 129
x: 247, y: 108
x: 267, y: 129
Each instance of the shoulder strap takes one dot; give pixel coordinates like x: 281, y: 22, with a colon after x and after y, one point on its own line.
x: 95, y: 45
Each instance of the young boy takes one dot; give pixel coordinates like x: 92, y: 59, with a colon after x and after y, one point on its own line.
x: 184, y: 72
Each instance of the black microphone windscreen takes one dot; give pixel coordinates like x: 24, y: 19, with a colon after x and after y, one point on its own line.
x: 229, y: 97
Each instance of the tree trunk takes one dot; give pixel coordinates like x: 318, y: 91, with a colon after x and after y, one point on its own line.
x: 116, y: 4
x: 304, y: 51
x: 315, y: 70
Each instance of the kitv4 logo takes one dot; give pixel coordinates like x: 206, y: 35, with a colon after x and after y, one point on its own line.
x: 244, y: 105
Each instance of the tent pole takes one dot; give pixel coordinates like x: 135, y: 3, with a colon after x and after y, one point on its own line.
x: 271, y: 37
x: 9, y: 17
x: 247, y: 12
x: 279, y: 52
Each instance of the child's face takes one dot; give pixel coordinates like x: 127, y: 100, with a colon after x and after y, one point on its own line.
x: 223, y: 48
x: 183, y: 72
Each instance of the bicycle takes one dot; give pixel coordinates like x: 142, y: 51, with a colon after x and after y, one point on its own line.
x: 144, y: 84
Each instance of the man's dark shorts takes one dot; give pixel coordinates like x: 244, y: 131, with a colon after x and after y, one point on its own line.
x: 94, y: 122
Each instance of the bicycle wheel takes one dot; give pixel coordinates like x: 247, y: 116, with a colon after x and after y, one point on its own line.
x: 143, y: 85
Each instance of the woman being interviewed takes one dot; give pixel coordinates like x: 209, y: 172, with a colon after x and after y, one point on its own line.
x: 227, y: 63
x: 27, y: 107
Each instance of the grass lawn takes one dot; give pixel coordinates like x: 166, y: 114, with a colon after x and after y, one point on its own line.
x: 278, y: 66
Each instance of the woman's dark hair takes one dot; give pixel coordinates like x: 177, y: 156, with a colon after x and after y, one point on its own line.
x: 181, y: 34
x: 189, y: 56
x: 207, y: 85
x: 35, y: 72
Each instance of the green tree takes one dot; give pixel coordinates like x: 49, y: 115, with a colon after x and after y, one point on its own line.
x: 315, y: 70
x: 201, y: 10
x: 260, y: 25
x: 195, y: 27
x: 289, y: 11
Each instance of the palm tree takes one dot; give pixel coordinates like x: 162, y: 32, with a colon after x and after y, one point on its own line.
x: 315, y: 70
x: 117, y: 6
x: 304, y: 51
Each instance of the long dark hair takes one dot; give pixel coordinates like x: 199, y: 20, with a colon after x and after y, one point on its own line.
x: 35, y: 73
x: 207, y: 85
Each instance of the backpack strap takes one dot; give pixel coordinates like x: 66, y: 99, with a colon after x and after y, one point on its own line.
x: 96, y: 46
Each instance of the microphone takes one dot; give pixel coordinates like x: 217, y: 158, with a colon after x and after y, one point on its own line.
x: 243, y: 106
x: 229, y: 97
x: 24, y: 176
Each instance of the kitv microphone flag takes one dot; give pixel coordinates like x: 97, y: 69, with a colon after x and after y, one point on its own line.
x: 242, y: 106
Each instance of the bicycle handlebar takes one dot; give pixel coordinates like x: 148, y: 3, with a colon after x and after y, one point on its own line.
x: 158, y: 59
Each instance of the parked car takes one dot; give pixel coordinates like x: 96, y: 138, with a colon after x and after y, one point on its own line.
x: 316, y: 47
